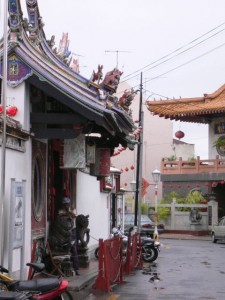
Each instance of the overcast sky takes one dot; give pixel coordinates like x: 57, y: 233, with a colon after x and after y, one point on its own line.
x: 148, y: 37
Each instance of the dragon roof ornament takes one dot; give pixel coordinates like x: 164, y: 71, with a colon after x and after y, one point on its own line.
x: 30, y: 53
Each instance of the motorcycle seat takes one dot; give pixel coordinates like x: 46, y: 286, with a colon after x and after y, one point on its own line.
x: 38, y: 267
x: 39, y: 285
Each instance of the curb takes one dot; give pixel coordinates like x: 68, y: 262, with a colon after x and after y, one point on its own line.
x: 185, y: 237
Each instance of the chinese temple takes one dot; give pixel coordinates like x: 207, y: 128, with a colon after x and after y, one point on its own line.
x: 61, y: 130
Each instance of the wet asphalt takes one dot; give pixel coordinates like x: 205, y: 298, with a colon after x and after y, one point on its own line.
x: 185, y: 269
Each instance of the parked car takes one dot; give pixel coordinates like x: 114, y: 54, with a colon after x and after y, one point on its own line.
x: 147, y: 225
x: 218, y: 231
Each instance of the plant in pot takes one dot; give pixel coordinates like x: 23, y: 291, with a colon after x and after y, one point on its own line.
x: 220, y: 145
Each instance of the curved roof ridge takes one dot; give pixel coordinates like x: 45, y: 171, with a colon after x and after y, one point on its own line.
x: 40, y: 59
x: 46, y: 71
x: 216, y: 93
x: 173, y: 101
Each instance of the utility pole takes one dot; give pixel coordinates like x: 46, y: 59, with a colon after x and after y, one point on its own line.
x: 117, y: 55
x: 138, y: 190
x: 3, y: 146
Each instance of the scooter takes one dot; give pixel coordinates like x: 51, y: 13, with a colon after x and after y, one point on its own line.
x: 38, y: 288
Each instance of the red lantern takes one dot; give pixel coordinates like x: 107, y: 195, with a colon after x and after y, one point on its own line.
x: 179, y: 134
x: 222, y: 182
x: 132, y: 167
x: 1, y: 109
x: 163, y: 186
x: 171, y: 186
x: 125, y: 184
x: 214, y: 184
x: 197, y: 185
x: 126, y: 169
x: 188, y: 185
x: 206, y: 184
x: 11, y: 111
x: 179, y: 186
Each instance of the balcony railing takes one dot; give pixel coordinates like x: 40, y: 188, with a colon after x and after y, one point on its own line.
x: 197, y: 166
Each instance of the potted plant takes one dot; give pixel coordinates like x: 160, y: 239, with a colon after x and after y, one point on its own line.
x: 220, y: 145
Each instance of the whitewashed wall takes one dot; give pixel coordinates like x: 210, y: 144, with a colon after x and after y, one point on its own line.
x: 18, y: 167
x: 91, y: 202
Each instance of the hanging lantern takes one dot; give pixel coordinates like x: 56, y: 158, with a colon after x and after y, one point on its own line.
x: 197, y: 185
x: 214, y: 184
x: 126, y: 169
x: 132, y: 167
x: 163, y: 186
x: 125, y: 184
x: 171, y: 186
x: 179, y: 134
x: 206, y: 184
x: 179, y: 186
x: 11, y: 111
x: 222, y: 182
x: 188, y: 185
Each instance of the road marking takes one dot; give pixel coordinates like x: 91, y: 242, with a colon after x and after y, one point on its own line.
x: 113, y: 297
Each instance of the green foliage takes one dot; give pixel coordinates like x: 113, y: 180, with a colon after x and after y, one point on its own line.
x: 144, y: 208
x: 171, y: 158
x: 192, y: 158
x: 194, y: 197
x: 163, y: 213
x: 167, y: 199
x: 220, y: 142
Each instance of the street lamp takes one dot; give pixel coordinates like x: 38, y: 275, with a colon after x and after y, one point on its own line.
x: 133, y: 185
x: 156, y: 177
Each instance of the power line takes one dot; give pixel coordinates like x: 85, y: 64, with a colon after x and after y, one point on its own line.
x: 167, y: 57
x: 186, y: 63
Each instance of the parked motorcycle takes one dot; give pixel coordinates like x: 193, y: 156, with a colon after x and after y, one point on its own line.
x: 150, y: 248
x: 39, y: 288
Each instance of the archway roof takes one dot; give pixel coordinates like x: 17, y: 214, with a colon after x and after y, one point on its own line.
x: 196, y: 110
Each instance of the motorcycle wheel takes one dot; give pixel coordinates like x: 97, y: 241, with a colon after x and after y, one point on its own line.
x: 96, y: 252
x: 66, y: 296
x: 3, y: 287
x: 149, y: 254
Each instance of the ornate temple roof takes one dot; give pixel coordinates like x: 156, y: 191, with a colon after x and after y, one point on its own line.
x: 31, y: 57
x: 197, y: 110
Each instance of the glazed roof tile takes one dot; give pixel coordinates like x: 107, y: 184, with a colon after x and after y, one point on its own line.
x: 190, y: 109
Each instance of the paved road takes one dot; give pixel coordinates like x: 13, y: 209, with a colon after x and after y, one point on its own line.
x: 185, y: 269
